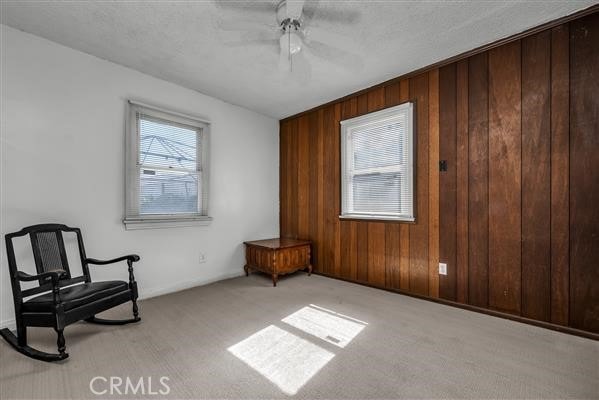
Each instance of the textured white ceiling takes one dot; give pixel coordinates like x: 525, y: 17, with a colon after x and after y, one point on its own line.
x: 184, y: 41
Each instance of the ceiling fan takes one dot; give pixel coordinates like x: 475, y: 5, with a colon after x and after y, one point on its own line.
x: 296, y: 35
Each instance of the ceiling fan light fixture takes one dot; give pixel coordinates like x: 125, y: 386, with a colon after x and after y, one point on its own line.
x: 292, y: 42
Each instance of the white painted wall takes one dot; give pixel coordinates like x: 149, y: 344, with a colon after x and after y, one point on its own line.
x: 62, y: 133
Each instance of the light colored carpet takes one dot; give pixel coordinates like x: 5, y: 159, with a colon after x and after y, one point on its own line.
x: 338, y: 340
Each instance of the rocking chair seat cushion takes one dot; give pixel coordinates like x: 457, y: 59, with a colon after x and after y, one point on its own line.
x: 75, y: 296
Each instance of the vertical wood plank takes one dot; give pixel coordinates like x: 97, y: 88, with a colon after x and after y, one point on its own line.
x: 392, y: 255
x: 419, y: 265
x: 560, y: 165
x: 376, y: 253
x: 353, y: 239
x: 329, y: 133
x: 362, y: 251
x: 376, y: 99
x: 392, y: 230
x: 349, y: 246
x: 376, y: 230
x: 316, y: 214
x: 362, y: 226
x: 536, y: 176
x: 447, y: 183
x: 313, y: 170
x: 362, y: 106
x: 303, y: 177
x: 336, y: 205
x: 292, y: 187
x: 349, y: 250
x: 404, y: 91
x: 505, y: 156
x: 283, y: 178
x: 478, y: 183
x: 321, y: 207
x: 330, y: 218
x: 433, y: 183
x: 584, y: 173
x: 392, y: 95
x: 462, y: 182
x: 404, y: 229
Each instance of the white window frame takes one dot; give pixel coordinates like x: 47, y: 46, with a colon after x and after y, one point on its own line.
x: 387, y: 115
x: 133, y: 219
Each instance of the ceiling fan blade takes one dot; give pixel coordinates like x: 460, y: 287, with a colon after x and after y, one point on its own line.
x: 234, y: 36
x: 341, y: 58
x: 314, y: 33
x: 274, y: 43
x: 313, y: 11
x: 246, y: 26
x: 258, y: 6
x: 294, y: 8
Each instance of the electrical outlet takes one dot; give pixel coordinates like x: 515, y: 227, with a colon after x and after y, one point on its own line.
x: 202, y: 258
x: 442, y: 269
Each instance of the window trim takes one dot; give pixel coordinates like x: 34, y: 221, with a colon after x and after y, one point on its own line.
x: 376, y: 117
x: 133, y: 220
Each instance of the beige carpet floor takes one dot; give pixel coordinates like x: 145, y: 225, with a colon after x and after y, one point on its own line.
x: 309, y: 338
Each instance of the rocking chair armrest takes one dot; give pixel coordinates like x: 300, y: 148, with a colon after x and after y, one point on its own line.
x: 55, y: 275
x: 130, y: 257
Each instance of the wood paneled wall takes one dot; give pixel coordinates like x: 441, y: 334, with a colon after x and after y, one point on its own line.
x: 515, y: 216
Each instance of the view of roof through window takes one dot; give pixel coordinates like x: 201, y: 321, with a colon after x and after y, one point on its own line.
x: 169, y: 173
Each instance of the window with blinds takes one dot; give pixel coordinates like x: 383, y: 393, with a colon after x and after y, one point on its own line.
x: 377, y: 153
x: 166, y: 168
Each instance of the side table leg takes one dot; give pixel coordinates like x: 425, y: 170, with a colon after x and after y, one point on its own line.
x: 275, y: 278
x: 246, y: 268
x: 309, y: 269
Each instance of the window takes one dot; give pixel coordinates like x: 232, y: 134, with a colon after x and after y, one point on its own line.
x: 166, y: 174
x: 377, y: 154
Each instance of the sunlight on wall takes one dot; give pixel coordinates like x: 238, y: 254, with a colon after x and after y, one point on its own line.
x: 283, y: 358
x: 327, y: 325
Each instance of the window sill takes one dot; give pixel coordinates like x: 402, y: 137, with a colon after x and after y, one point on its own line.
x: 374, y: 218
x: 165, y: 222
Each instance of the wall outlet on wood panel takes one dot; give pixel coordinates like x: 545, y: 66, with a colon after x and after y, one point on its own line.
x: 442, y: 269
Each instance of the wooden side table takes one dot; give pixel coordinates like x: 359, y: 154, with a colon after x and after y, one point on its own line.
x: 277, y: 257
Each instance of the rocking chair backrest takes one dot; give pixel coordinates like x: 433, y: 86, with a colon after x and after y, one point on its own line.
x: 49, y: 254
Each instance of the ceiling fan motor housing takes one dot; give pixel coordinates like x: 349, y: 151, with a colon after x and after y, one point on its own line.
x: 289, y: 21
x: 291, y: 11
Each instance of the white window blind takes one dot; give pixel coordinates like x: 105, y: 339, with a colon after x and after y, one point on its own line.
x: 377, y: 165
x: 166, y: 168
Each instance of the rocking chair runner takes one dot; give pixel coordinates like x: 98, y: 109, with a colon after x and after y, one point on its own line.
x: 67, y: 299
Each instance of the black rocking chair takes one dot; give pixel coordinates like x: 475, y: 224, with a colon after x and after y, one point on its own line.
x: 66, y: 299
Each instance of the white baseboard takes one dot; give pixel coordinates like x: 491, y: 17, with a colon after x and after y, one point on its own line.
x: 8, y: 323
x: 159, y: 291
x: 182, y: 285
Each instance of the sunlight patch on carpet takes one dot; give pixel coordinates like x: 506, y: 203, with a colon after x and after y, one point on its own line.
x: 328, y: 325
x: 283, y: 358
